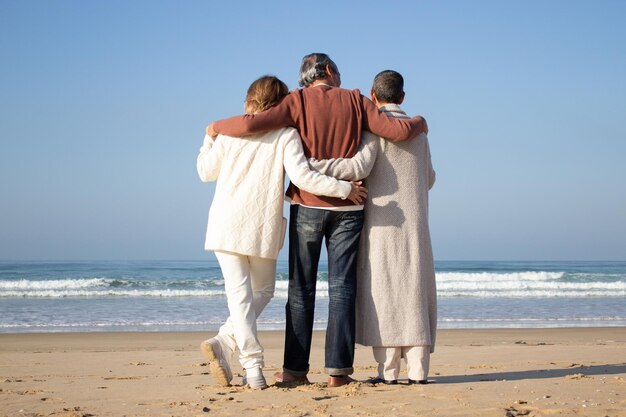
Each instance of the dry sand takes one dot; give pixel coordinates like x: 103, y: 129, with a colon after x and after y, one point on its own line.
x: 518, y: 372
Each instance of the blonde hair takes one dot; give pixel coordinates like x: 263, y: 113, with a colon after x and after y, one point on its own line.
x: 264, y: 93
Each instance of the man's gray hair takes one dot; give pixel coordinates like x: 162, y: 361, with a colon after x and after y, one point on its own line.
x: 313, y: 68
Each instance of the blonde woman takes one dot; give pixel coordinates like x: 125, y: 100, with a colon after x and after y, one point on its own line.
x: 246, y: 227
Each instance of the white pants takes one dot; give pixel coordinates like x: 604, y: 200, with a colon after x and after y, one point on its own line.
x: 249, y: 282
x: 389, y: 361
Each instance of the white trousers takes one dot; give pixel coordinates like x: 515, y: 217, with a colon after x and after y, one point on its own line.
x: 389, y: 361
x: 249, y: 282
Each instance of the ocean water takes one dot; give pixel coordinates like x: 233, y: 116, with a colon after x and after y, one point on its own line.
x: 189, y: 296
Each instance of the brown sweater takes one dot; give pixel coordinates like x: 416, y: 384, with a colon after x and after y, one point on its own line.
x: 330, y: 121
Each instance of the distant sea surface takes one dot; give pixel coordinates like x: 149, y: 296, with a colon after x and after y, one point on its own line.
x: 189, y: 296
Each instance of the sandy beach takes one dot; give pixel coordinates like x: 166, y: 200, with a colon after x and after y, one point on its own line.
x: 508, y: 372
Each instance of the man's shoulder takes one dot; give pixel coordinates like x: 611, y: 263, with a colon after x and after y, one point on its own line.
x: 354, y: 96
x: 333, y: 90
x: 354, y: 92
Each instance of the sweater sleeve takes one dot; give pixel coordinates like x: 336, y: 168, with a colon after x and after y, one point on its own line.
x: 210, y: 158
x: 390, y: 128
x: 303, y: 176
x: 355, y: 168
x: 273, y: 118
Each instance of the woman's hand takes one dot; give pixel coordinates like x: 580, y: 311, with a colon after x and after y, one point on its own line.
x: 358, y: 194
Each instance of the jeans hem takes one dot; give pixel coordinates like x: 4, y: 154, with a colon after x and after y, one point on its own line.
x: 339, y: 371
x: 296, y: 373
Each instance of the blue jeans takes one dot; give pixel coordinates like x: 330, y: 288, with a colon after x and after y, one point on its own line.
x: 342, y: 230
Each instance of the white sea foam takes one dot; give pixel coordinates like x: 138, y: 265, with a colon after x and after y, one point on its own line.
x: 120, y: 324
x: 112, y: 293
x: 531, y: 319
x: 54, y: 284
x: 533, y: 276
x: 523, y: 284
x: 449, y: 284
x: 165, y: 296
x: 530, y: 294
x: 520, y: 285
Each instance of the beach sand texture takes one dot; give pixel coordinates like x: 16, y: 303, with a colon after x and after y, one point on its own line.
x: 501, y: 372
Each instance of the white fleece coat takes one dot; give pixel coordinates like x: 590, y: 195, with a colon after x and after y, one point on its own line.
x: 246, y: 215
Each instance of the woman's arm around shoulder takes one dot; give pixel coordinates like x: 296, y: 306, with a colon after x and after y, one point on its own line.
x: 304, y: 177
x: 351, y: 169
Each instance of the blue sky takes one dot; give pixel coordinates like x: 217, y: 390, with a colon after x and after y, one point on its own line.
x: 103, y: 107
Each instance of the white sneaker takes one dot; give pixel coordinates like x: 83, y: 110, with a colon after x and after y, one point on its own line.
x: 219, y: 361
x: 255, y: 379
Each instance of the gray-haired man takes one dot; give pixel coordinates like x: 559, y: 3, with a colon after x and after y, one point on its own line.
x: 330, y: 121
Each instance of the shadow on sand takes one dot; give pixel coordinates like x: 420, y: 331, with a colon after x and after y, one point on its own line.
x: 609, y: 369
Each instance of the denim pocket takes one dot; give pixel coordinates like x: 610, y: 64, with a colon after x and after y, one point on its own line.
x: 309, y: 221
x: 351, y: 220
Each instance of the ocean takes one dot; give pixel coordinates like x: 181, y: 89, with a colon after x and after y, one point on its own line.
x: 189, y: 295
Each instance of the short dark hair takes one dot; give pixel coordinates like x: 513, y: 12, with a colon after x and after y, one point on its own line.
x: 313, y: 68
x: 388, y: 87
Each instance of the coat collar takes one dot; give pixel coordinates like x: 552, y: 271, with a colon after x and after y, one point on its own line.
x: 393, y: 109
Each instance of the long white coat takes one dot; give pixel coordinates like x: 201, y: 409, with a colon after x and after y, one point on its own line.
x: 396, y: 290
x: 246, y: 215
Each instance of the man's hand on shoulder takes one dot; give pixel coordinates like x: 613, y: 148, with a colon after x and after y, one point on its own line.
x: 424, y: 124
x: 211, y: 131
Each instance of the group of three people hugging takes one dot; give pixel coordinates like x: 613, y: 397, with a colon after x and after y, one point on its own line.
x: 381, y: 276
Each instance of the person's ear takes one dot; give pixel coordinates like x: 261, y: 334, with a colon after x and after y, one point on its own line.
x: 373, y: 96
x: 401, y: 98
x: 329, y: 71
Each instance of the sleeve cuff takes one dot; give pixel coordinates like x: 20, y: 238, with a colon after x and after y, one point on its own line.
x: 347, y: 187
x: 207, y: 143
